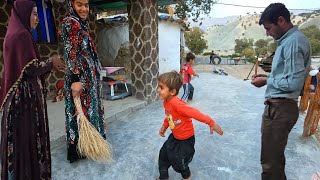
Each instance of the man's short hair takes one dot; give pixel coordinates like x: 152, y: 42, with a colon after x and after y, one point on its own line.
x: 273, y: 12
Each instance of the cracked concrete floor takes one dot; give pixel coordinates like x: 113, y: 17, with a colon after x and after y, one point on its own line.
x: 235, y: 104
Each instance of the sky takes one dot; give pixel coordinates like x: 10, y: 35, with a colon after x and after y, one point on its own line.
x: 219, y: 10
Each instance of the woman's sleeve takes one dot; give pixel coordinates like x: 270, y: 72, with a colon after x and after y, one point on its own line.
x: 71, y: 37
x: 37, y: 69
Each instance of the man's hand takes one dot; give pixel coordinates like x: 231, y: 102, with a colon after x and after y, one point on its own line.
x: 162, y: 131
x: 216, y: 128
x: 197, y: 75
x: 259, y: 80
x: 76, y: 89
x: 259, y: 75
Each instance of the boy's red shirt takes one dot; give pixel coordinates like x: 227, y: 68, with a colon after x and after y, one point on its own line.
x: 188, y: 72
x: 182, y: 115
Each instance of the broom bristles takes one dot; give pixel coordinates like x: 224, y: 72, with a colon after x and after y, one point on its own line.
x: 91, y: 144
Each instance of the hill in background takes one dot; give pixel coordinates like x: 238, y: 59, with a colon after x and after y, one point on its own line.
x: 221, y: 37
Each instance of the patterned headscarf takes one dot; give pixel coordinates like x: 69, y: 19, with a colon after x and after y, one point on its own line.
x: 73, y: 14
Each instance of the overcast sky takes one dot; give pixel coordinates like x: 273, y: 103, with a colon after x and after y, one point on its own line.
x: 219, y: 10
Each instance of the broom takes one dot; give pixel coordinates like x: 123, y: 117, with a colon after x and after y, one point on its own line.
x: 91, y: 144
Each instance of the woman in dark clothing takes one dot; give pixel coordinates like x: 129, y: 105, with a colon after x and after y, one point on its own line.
x: 25, y: 144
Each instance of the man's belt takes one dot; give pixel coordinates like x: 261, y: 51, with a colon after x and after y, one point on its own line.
x: 279, y: 100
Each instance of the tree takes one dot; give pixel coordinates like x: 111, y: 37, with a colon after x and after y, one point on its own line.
x: 272, y: 47
x: 313, y: 34
x: 261, y: 43
x: 248, y: 52
x: 261, y: 46
x: 242, y: 44
x: 315, y: 46
x: 191, y: 8
x: 261, y: 51
x: 195, y: 41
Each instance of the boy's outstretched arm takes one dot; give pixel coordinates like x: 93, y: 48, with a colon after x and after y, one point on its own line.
x: 216, y: 128
x: 194, y: 113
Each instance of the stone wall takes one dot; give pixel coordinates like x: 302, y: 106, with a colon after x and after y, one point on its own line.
x: 4, y: 16
x: 144, y: 50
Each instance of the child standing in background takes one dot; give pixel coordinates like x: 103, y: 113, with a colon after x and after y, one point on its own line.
x: 188, y: 72
x: 178, y: 150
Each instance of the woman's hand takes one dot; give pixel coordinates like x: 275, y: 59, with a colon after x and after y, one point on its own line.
x: 76, y: 89
x: 58, y: 63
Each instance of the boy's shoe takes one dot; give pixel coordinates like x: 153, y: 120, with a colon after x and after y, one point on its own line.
x: 189, y: 178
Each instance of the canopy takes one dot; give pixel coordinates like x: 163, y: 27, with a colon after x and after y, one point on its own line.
x: 113, y: 5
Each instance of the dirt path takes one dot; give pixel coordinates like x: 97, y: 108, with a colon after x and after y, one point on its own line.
x: 238, y: 71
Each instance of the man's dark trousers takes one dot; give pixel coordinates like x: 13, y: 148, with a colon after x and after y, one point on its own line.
x: 277, y: 121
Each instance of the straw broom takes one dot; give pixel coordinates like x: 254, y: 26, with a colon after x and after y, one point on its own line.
x: 313, y: 115
x: 91, y: 144
x: 305, y: 98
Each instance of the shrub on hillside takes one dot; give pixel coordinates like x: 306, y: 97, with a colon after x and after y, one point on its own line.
x: 299, y: 22
x: 313, y: 34
x: 225, y: 56
x: 251, y: 59
x: 235, y: 55
x: 206, y: 53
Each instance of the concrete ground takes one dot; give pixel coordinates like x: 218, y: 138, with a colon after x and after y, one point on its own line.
x: 235, y: 104
x: 114, y: 110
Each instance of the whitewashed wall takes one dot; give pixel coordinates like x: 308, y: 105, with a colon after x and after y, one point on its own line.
x: 169, y: 47
x: 110, y: 41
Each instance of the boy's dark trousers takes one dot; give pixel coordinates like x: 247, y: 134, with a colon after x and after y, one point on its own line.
x: 188, y: 91
x: 277, y: 121
x: 178, y: 154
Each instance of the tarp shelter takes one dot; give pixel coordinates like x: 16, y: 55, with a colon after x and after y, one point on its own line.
x: 105, y: 5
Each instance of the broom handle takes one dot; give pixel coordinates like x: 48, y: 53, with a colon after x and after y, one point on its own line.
x: 77, y: 102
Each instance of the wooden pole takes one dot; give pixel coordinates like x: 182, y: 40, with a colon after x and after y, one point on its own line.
x: 256, y: 68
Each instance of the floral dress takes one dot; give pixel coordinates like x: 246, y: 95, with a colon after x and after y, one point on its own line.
x: 82, y: 66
